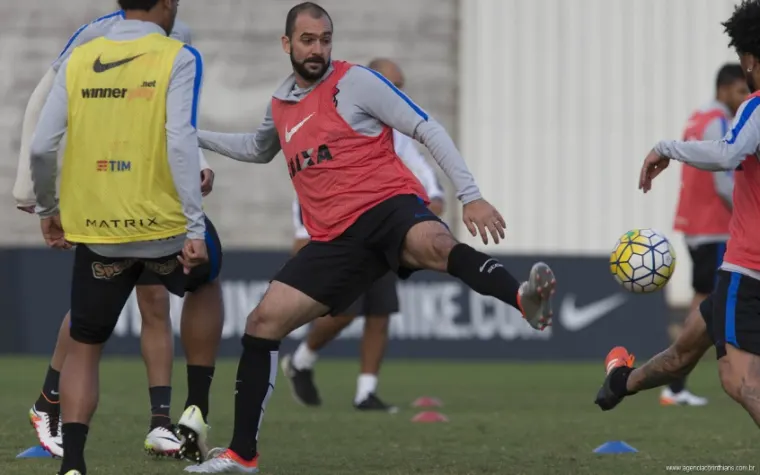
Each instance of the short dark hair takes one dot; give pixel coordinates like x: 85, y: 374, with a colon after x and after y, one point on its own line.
x: 306, y: 7
x: 146, y: 5
x: 743, y: 28
x: 729, y: 74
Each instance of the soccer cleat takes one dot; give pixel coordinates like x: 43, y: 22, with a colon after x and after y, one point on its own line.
x: 215, y: 452
x: 618, y: 362
x: 683, y: 398
x: 162, y: 442
x: 227, y: 462
x: 534, y: 296
x: 193, y: 432
x: 301, y: 383
x: 48, y: 426
x: 374, y: 403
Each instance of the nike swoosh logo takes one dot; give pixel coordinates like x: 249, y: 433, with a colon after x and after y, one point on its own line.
x: 577, y: 318
x: 99, y: 67
x: 289, y: 133
x: 54, y: 393
x: 482, y: 268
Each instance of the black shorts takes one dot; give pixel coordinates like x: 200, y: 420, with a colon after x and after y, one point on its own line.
x: 732, y: 313
x: 380, y: 300
x: 335, y: 273
x: 706, y: 260
x: 100, y: 286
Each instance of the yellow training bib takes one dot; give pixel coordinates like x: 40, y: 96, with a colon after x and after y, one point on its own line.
x: 116, y: 184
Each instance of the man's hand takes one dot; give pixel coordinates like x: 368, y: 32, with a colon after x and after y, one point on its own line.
x: 654, y: 164
x: 194, y: 253
x: 52, y: 232
x: 479, y: 215
x: 207, y: 181
x: 26, y: 209
x: 436, y: 206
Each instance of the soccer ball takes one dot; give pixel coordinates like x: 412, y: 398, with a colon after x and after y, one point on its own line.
x: 643, y: 261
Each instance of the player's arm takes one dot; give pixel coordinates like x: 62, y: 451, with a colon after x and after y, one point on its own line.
x: 723, y: 180
x: 182, y: 101
x: 258, y: 147
x: 724, y: 154
x: 23, y: 191
x: 377, y: 97
x: 44, y: 147
x: 416, y: 162
x: 23, y: 188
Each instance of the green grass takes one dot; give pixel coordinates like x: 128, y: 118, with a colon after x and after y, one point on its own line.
x: 504, y: 419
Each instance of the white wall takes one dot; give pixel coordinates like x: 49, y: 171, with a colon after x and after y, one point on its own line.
x: 561, y: 100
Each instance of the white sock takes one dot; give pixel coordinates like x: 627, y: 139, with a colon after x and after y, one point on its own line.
x: 366, y: 384
x: 304, y: 358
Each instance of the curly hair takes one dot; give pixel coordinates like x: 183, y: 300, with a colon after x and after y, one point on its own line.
x: 146, y: 5
x: 743, y: 28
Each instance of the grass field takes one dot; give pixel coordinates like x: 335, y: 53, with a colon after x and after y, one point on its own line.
x: 504, y: 419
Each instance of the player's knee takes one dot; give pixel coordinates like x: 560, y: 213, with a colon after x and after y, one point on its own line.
x: 153, y: 302
x: 263, y: 323
x: 90, y: 332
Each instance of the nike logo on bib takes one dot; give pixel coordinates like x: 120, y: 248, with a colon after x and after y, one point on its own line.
x: 290, y: 133
x: 99, y: 67
x: 575, y: 318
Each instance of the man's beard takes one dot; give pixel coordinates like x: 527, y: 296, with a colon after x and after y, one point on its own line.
x: 300, y: 68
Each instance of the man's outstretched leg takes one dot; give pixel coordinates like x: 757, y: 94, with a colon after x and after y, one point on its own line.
x: 428, y: 244
x: 670, y: 365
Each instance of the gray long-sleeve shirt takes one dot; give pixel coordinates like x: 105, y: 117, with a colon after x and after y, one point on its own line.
x: 181, y: 103
x: 367, y: 102
x: 720, y: 155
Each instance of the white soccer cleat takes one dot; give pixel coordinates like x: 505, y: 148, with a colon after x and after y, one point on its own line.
x: 49, y: 429
x: 227, y: 462
x: 162, y: 442
x: 534, y: 296
x: 193, y: 433
x: 683, y: 398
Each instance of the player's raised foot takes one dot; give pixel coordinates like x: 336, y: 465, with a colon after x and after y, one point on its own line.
x: 227, y: 462
x: 534, y: 296
x: 162, y: 442
x: 301, y: 383
x: 374, y: 403
x: 48, y: 427
x: 618, y: 365
x: 193, y: 433
x: 682, y: 398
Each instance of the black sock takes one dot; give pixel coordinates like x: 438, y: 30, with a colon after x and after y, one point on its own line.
x: 160, y: 406
x: 199, y: 380
x: 255, y: 382
x: 74, y: 438
x: 483, y: 274
x: 49, y: 398
x: 678, y: 385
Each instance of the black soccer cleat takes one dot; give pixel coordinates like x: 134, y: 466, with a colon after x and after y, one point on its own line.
x: 618, y: 365
x: 374, y: 403
x: 301, y: 383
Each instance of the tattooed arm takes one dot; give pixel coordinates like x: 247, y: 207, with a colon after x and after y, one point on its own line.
x: 662, y: 369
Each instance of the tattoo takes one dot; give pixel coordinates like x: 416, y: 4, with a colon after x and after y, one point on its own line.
x: 663, y: 369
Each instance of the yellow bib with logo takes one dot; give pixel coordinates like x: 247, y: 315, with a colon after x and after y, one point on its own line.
x: 116, y: 183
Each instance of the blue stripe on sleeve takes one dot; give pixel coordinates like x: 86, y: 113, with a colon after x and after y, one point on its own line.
x: 723, y: 126
x: 406, y: 99
x: 197, y: 84
x: 749, y: 108
x: 81, y: 29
